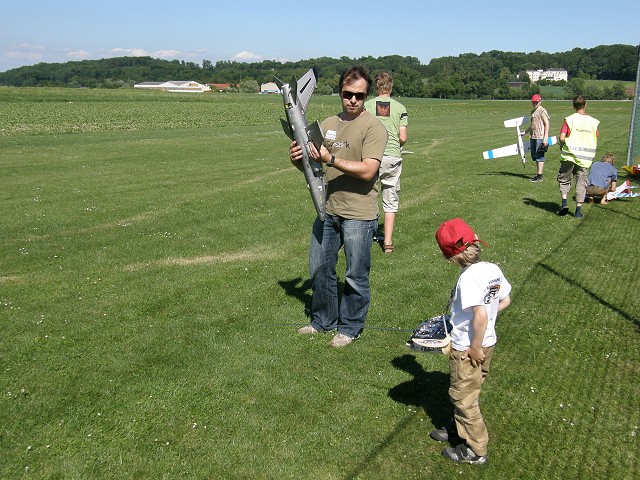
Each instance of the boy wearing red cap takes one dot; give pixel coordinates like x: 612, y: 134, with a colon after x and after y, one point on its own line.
x: 481, y: 292
x: 539, y: 135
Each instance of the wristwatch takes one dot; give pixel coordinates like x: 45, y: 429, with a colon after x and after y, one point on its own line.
x: 330, y: 162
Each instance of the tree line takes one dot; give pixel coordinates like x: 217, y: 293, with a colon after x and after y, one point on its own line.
x: 489, y: 75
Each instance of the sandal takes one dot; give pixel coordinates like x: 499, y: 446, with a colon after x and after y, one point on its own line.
x: 387, y: 248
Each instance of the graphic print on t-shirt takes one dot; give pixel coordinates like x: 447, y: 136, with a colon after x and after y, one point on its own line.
x: 383, y: 109
x: 493, y: 293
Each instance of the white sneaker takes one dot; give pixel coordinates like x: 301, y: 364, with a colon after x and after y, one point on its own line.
x: 308, y: 330
x: 340, y: 340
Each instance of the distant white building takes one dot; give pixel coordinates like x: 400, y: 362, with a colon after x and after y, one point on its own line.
x: 175, y: 86
x: 554, y: 74
x: 269, y: 87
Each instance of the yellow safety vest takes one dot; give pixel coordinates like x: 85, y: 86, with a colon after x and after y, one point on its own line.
x: 580, y: 146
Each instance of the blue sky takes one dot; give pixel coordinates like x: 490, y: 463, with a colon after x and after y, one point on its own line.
x: 33, y: 31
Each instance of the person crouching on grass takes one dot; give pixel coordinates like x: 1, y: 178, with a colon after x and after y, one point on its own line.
x: 481, y: 292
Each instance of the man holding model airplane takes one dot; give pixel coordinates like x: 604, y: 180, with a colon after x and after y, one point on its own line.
x: 539, y: 132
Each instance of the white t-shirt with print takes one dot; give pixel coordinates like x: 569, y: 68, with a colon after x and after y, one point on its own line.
x: 481, y: 283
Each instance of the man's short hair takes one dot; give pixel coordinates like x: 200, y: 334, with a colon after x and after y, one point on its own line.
x: 579, y: 102
x: 354, y: 74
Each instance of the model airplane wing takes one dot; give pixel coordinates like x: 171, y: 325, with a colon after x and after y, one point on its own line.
x: 519, y: 148
x: 515, y: 122
x: 506, y: 151
x: 515, y: 149
x: 550, y: 140
x: 510, y: 150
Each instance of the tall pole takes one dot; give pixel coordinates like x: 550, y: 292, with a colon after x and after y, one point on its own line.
x: 632, y: 130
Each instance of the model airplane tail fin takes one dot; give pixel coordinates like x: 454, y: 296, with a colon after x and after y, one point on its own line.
x: 515, y: 122
x: 301, y: 90
x: 305, y: 87
x: 624, y: 188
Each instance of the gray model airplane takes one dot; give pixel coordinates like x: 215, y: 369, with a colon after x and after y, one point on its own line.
x: 296, y: 96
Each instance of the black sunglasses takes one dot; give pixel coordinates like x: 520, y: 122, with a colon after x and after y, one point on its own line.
x: 347, y: 95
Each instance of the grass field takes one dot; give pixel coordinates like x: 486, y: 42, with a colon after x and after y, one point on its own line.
x: 153, y: 270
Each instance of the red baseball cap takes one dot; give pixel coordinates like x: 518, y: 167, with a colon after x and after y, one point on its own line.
x: 454, y: 236
x: 536, y: 98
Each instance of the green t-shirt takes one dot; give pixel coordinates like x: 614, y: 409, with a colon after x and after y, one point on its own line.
x: 364, y: 137
x: 393, y: 115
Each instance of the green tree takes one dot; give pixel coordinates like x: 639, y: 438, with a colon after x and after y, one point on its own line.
x: 618, y: 91
x: 248, y: 85
x: 574, y: 87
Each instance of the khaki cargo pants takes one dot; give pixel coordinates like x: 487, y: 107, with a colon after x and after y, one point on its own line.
x: 464, y: 390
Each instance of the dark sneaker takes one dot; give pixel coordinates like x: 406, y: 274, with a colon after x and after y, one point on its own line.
x: 578, y: 215
x: 563, y: 211
x: 537, y: 178
x: 463, y: 453
x: 448, y: 433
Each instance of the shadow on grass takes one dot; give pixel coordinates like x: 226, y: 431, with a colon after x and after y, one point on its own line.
x: 618, y: 202
x: 509, y: 174
x: 610, y: 306
x: 297, y: 288
x: 548, y: 206
x: 427, y: 390
x: 365, y: 463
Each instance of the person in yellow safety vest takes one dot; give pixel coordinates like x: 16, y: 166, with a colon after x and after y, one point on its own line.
x: 578, y: 144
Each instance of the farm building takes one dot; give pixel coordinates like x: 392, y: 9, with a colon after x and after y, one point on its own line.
x: 554, y: 74
x: 175, y: 86
x: 269, y: 87
x: 220, y: 87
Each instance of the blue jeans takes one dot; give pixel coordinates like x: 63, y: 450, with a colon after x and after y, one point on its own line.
x: 535, y: 154
x: 327, y: 313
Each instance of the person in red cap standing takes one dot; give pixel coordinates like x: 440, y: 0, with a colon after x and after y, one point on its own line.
x: 539, y: 135
x: 481, y: 292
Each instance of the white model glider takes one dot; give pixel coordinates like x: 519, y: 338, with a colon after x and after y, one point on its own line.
x: 520, y: 148
x: 623, y: 191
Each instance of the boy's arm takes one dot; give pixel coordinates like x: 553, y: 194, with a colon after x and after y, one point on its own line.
x: 504, y: 303
x: 479, y: 325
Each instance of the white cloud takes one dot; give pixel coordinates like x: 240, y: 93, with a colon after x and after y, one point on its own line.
x: 78, y: 55
x: 130, y: 52
x: 166, y: 53
x: 141, y: 52
x: 26, y: 51
x: 30, y: 46
x: 247, y: 57
x: 30, y: 56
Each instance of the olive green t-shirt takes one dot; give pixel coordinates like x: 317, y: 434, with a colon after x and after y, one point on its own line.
x: 393, y: 115
x: 364, y: 137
